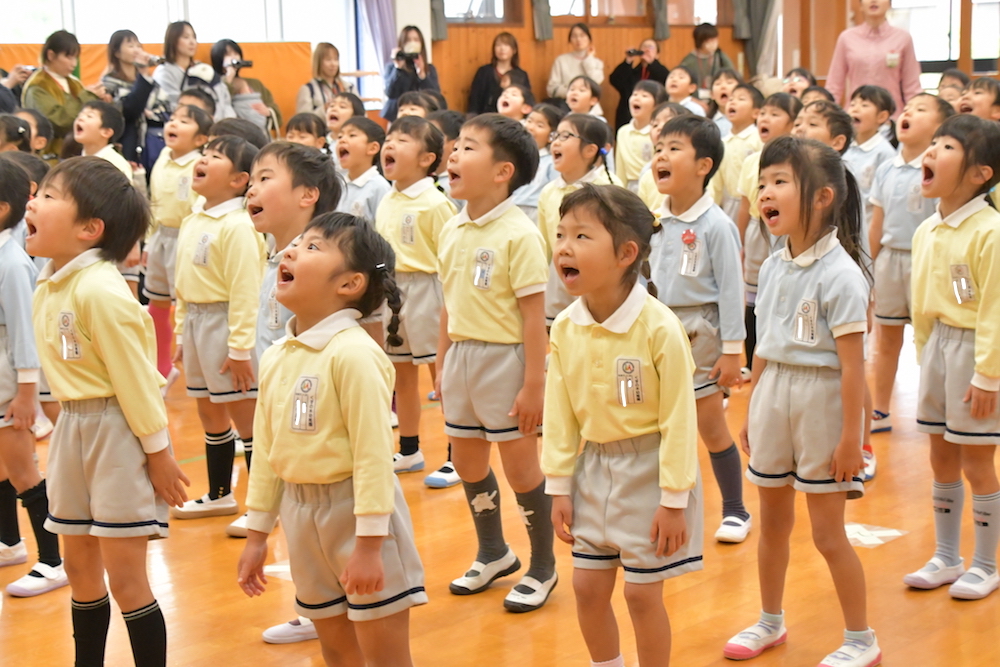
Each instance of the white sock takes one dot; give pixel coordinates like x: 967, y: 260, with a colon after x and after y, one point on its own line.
x: 866, y: 636
x: 772, y: 622
x: 616, y: 662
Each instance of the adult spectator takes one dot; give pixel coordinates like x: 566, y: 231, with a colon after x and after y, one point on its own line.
x: 632, y: 70
x: 504, y: 70
x: 326, y: 82
x: 142, y: 102
x: 581, y: 61
x: 875, y: 53
x: 252, y: 100
x: 54, y: 91
x: 181, y: 71
x: 10, y: 87
x: 707, y: 59
x: 408, y: 70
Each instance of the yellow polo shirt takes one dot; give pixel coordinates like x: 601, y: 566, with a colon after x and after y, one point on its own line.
x: 628, y: 376
x: 648, y: 193
x: 411, y: 221
x: 171, y: 198
x: 740, y: 147
x: 321, y: 418
x: 117, y: 159
x: 749, y: 181
x: 633, y: 151
x: 96, y: 341
x: 551, y: 198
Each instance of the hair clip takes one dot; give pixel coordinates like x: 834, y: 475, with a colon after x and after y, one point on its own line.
x: 657, y: 222
x: 603, y: 151
x: 381, y: 267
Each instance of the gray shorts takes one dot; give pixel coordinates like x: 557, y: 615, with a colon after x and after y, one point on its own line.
x: 419, y: 318
x: 557, y: 299
x: 8, y: 377
x: 129, y: 273
x: 616, y: 492
x: 479, y: 384
x: 947, y: 365
x: 892, y: 287
x: 206, y: 348
x: 97, y: 479
x: 702, y: 326
x: 161, y: 263
x: 319, y: 525
x: 794, y: 426
x: 530, y: 211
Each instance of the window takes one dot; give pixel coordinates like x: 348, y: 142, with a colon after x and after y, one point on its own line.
x: 640, y: 12
x: 475, y: 11
x: 32, y: 22
x: 92, y: 27
x: 692, y: 12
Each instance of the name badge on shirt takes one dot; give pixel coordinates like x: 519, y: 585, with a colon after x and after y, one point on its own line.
x: 70, y: 344
x: 304, y: 405
x: 629, y: 385
x: 691, y: 255
x: 867, y: 176
x: 483, y: 275
x: 892, y: 59
x: 961, y: 283
x: 647, y: 152
x: 408, y: 229
x: 915, y: 200
x: 201, y: 250
x: 805, y: 322
x: 358, y: 209
x: 184, y: 187
x: 273, y: 315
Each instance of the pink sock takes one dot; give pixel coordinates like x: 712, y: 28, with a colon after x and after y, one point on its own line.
x: 164, y: 336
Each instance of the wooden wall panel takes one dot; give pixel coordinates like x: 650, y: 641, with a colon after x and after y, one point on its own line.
x: 468, y: 47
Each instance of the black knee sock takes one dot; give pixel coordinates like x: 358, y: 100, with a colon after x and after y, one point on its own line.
x: 247, y: 451
x: 536, y: 512
x: 90, y: 631
x: 484, y: 501
x: 220, y: 450
x: 409, y: 444
x: 148, y: 634
x: 728, y: 471
x: 36, y: 502
x: 750, y: 320
x: 10, y: 527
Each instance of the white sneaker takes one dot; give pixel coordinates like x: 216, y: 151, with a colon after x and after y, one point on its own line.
x: 171, y: 379
x: 755, y: 640
x: 238, y: 528
x: 854, y: 653
x: 880, y: 422
x: 533, y: 594
x: 43, y: 426
x: 297, y: 630
x: 942, y: 574
x: 967, y: 588
x: 443, y: 477
x: 29, y: 586
x: 733, y: 529
x: 481, y: 575
x: 206, y: 507
x: 408, y: 463
x: 393, y: 419
x: 871, y: 464
x: 13, y: 555
x: 746, y: 374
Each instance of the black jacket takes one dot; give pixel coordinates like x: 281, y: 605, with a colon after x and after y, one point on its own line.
x: 624, y: 79
x: 486, y: 89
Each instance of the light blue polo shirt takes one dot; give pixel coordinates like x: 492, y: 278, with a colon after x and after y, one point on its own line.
x: 271, y: 316
x: 863, y: 160
x: 362, y: 196
x: 527, y: 195
x: 17, y: 285
x: 896, y: 190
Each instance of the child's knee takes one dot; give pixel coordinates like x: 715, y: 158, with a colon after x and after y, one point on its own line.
x: 643, y: 598
x: 829, y: 542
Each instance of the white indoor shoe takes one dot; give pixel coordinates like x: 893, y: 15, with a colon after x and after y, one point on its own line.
x: 297, y: 630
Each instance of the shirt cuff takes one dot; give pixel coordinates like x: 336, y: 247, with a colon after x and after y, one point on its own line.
x: 28, y: 375
x: 732, y: 346
x: 558, y: 485
x: 529, y: 290
x: 180, y: 339
x: 984, y: 382
x: 371, y: 525
x: 239, y: 355
x: 262, y: 522
x: 675, y: 500
x: 155, y: 442
x: 850, y: 328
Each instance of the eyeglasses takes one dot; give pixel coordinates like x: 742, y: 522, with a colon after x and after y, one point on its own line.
x: 565, y: 135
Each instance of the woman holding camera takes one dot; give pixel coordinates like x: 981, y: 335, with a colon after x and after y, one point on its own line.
x: 409, y: 70
x: 181, y: 71
x: 252, y: 100
x: 639, y: 65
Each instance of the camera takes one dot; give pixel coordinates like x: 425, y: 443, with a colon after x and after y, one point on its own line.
x: 633, y: 52
x: 30, y: 68
x: 239, y: 64
x: 155, y: 60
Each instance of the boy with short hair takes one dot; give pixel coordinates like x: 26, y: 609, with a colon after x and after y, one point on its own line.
x: 695, y: 262
x: 742, y: 109
x: 358, y: 149
x: 97, y: 127
x: 110, y: 464
x: 416, y: 103
x: 491, y: 351
x: 198, y: 97
x: 516, y: 101
x: 681, y: 85
x: 634, y: 149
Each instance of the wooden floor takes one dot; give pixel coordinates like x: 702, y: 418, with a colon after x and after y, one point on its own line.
x: 211, y: 622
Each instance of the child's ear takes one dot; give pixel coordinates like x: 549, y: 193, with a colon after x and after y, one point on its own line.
x: 881, y: 118
x: 90, y: 231
x: 705, y: 165
x: 107, y: 133
x: 503, y: 172
x: 981, y: 173
x: 755, y: 113
x: 200, y: 140
x: 995, y: 112
x: 823, y: 199
x: 352, y: 285
x: 426, y: 159
x: 38, y: 144
x: 309, y: 198
x: 372, y: 149
x: 240, y: 181
x: 526, y: 109
x: 589, y: 151
x: 838, y: 142
x: 627, y: 254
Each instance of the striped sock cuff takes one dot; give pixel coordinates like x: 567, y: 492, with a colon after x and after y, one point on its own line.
x: 949, y: 485
x: 88, y: 606
x: 247, y: 444
x: 150, y: 608
x: 986, y: 499
x: 220, y: 438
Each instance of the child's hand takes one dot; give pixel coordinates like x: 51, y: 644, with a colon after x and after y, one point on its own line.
x: 134, y: 256
x: 167, y: 477
x: 241, y: 373
x: 364, y: 574
x: 669, y: 531
x: 727, y: 369
x: 528, y: 408
x: 97, y: 89
x: 178, y: 358
x: 562, y: 517
x: 745, y: 438
x: 983, y: 403
x: 250, y: 571
x: 22, y: 407
x: 847, y: 461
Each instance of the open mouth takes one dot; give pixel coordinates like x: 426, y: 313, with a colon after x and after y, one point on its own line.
x: 31, y: 229
x: 636, y: 108
x: 284, y: 275
x: 254, y: 210
x: 170, y: 136
x: 569, y: 273
x: 855, y: 120
x: 730, y: 111
x: 769, y: 214
x: 78, y: 128
x: 556, y: 155
x: 343, y: 153
x: 504, y: 104
x: 928, y: 175
x: 763, y: 131
x: 904, y: 124
x: 200, y: 172
x: 452, y: 177
x: 388, y: 161
x: 723, y: 98
x: 662, y: 173
x: 964, y: 107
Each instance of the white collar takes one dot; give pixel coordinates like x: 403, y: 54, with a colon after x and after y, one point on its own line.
x: 963, y: 213
x: 186, y: 158
x: 318, y: 336
x: 746, y: 133
x: 490, y: 216
x: 589, y: 177
x: 101, y: 153
x: 871, y: 144
x: 916, y: 163
x: 417, y: 189
x: 5, y: 236
x: 63, y: 81
x: 691, y: 215
x: 361, y: 180
x: 621, y: 320
x: 644, y: 130
x: 219, y: 210
x: 542, y: 152
x: 817, y: 251
x: 81, y: 261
